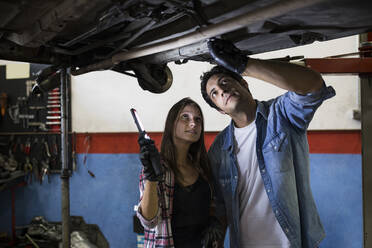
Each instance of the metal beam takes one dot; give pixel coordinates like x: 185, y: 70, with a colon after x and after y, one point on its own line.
x: 65, y: 173
x: 340, y: 65
x: 366, y: 118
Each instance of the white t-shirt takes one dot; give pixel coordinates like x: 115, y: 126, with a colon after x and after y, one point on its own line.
x: 258, y: 226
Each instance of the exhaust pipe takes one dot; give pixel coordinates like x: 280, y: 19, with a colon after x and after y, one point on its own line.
x: 270, y: 11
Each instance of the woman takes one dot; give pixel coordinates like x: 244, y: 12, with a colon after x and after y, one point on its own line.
x: 175, y: 206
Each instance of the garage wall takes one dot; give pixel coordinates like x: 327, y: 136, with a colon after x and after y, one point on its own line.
x: 101, y: 103
x: 108, y: 199
x: 101, y: 100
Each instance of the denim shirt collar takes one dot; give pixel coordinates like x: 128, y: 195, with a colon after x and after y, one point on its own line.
x: 229, y: 141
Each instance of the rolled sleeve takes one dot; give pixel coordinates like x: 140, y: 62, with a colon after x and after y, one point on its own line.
x: 299, y: 109
x: 145, y: 223
x: 150, y: 224
x: 320, y: 95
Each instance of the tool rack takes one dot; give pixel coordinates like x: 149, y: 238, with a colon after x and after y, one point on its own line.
x: 30, y: 134
x: 29, y: 128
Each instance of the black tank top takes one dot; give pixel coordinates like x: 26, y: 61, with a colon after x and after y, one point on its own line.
x: 190, y: 213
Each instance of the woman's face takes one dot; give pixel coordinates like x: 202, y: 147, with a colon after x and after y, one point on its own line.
x: 188, y: 125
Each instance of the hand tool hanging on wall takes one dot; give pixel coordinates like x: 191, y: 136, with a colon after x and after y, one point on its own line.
x: 46, y: 147
x: 46, y: 161
x: 87, y: 145
x: 27, y: 147
x: 53, y: 106
x: 12, y: 164
x: 54, y: 112
x: 53, y: 117
x: 23, y: 109
x: 54, y: 93
x: 54, y: 97
x: 3, y: 104
x: 13, y: 112
x: 45, y: 170
x: 74, y: 152
x: 12, y: 144
x: 27, y: 168
x: 40, y: 125
x: 54, y: 152
x: 36, y: 155
x: 36, y: 107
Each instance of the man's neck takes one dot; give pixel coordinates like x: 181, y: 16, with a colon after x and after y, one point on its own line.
x: 246, y: 114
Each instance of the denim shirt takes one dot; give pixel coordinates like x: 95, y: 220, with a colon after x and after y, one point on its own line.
x: 283, y: 158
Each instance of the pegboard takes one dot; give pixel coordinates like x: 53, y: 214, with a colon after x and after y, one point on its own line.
x: 29, y: 127
x: 23, y: 112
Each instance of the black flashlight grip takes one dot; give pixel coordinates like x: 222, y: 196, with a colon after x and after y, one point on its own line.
x: 154, y: 161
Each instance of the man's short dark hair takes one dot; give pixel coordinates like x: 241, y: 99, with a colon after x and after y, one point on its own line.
x: 207, y: 75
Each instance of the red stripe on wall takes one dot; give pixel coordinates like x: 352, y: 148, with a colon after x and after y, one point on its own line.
x: 335, y: 142
x: 343, y: 142
x: 111, y: 142
x: 369, y: 37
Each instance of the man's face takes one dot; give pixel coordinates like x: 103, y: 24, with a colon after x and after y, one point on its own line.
x: 226, y: 92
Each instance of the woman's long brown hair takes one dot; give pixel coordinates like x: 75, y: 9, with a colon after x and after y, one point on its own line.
x: 197, y: 151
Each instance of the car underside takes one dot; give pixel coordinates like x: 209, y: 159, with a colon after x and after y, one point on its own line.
x: 144, y: 35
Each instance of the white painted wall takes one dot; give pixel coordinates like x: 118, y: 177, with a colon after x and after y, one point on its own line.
x: 337, y: 112
x: 101, y: 100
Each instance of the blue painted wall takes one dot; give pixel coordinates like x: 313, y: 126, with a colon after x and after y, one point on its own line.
x: 108, y: 199
x: 336, y: 180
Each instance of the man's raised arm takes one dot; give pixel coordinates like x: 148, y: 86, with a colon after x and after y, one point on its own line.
x: 292, y: 77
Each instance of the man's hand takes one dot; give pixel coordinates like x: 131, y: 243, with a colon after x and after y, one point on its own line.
x: 150, y: 159
x: 213, y: 234
x: 227, y: 55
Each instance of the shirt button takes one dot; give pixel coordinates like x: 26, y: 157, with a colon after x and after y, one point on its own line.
x: 236, y: 177
x: 268, y: 190
x: 287, y: 230
x: 263, y: 170
x: 276, y: 212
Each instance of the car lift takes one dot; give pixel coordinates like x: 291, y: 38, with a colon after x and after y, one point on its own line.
x: 363, y: 67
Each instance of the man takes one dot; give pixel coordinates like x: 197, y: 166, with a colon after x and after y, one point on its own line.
x: 260, y: 162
